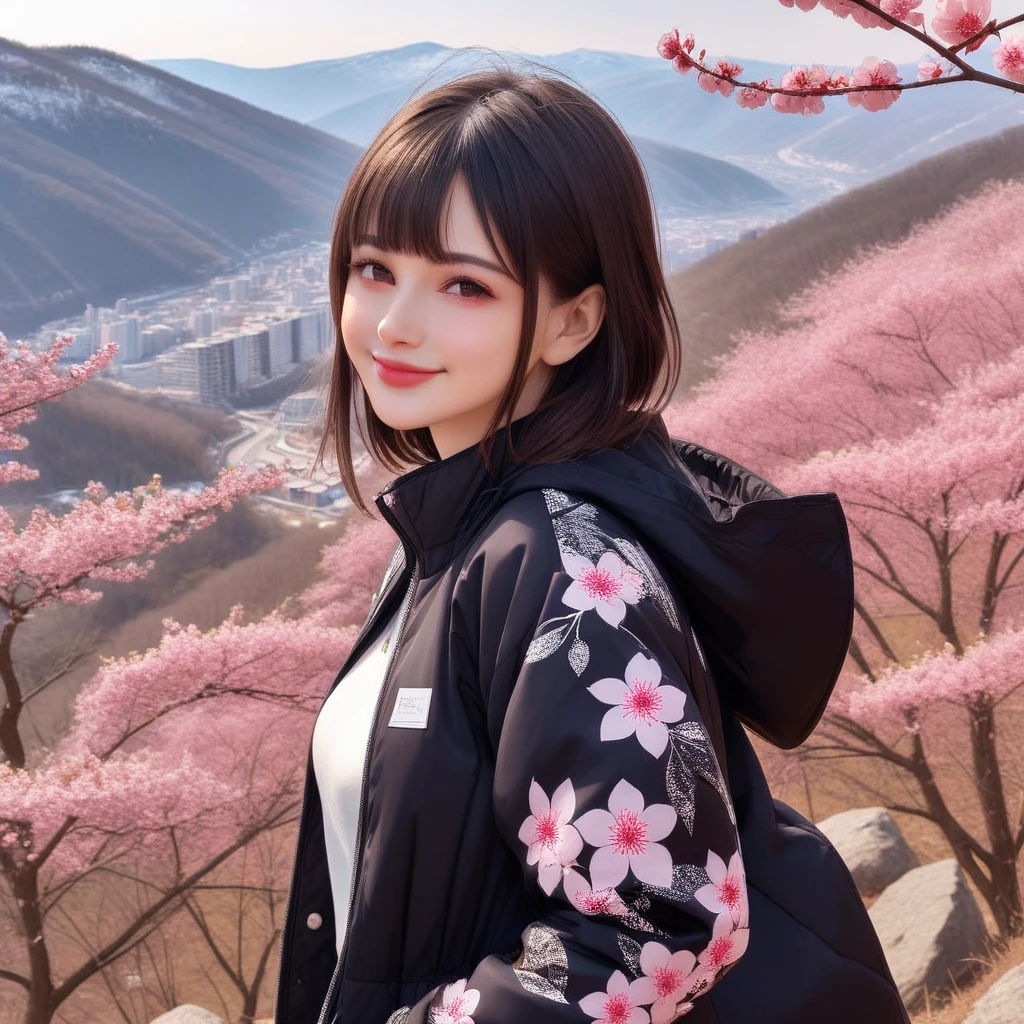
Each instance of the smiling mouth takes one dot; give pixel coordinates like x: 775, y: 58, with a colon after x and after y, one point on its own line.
x: 401, y: 376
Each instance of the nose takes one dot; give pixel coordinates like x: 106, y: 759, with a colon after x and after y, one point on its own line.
x: 401, y: 323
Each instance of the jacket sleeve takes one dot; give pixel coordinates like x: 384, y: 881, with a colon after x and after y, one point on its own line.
x: 607, y: 788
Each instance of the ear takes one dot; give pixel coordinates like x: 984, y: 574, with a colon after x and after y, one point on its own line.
x: 573, y: 324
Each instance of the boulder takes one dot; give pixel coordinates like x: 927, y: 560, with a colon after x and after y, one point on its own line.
x: 188, y: 1013
x: 1003, y: 1003
x: 871, y: 845
x: 929, y: 926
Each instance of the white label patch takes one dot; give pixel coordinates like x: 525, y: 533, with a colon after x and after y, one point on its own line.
x: 411, y: 707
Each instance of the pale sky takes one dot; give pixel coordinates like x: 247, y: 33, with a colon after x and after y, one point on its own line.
x: 270, y: 33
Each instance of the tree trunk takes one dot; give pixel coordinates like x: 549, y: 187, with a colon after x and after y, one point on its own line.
x: 1006, y: 903
x: 23, y: 881
x: 12, y: 750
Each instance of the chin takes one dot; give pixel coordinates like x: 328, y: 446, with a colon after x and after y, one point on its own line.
x: 399, y: 420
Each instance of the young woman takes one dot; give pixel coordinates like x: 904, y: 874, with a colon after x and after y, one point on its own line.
x: 523, y: 800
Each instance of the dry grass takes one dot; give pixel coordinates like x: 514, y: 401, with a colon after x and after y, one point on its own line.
x: 958, y: 1006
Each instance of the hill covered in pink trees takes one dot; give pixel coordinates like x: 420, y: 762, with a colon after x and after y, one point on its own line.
x: 899, y: 383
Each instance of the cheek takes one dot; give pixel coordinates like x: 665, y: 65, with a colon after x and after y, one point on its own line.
x: 483, y: 350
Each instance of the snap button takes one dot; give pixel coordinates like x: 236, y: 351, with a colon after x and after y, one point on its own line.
x: 314, y: 921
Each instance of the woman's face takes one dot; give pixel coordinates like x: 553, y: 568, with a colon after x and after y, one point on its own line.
x: 460, y: 320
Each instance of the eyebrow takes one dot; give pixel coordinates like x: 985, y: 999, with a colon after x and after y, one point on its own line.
x: 451, y: 257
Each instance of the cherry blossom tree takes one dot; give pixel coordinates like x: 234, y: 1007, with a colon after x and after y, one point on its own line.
x: 957, y: 25
x: 909, y: 403
x: 175, y: 759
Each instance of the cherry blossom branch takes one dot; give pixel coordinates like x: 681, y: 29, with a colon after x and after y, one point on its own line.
x: 874, y: 85
x: 16, y: 978
x: 28, y: 378
x: 117, y: 945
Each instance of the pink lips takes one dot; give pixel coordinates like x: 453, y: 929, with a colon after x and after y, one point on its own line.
x: 401, y: 375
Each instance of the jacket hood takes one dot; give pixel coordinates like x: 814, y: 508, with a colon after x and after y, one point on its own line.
x: 767, y: 578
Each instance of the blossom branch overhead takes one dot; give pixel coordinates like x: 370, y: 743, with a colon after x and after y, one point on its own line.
x: 876, y: 83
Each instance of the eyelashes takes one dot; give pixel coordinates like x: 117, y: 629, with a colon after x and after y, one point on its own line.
x: 481, y: 289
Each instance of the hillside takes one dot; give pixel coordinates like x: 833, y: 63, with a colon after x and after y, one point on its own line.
x: 742, y: 287
x: 121, y: 437
x: 117, y: 177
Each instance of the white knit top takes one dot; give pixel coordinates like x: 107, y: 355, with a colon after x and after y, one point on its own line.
x: 340, y: 736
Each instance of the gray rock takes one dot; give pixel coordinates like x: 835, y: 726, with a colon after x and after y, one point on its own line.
x: 188, y: 1013
x: 929, y: 926
x: 872, y: 845
x: 1003, y: 1003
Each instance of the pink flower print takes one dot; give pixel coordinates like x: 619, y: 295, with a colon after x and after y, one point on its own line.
x: 727, y: 945
x: 618, y: 1004
x: 591, y: 901
x: 458, y: 1004
x: 607, y: 587
x: 727, y: 891
x: 669, y: 979
x: 626, y: 837
x: 642, y: 706
x: 552, y: 842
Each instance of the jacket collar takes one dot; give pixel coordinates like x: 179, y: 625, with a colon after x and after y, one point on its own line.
x: 435, y: 507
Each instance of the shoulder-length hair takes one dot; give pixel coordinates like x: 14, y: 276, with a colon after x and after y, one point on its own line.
x: 569, y: 197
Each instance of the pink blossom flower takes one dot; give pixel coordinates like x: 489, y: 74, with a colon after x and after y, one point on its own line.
x: 669, y: 979
x: 641, y: 705
x: 727, y: 945
x: 815, y: 80
x: 847, y: 9
x: 669, y: 45
x: 904, y: 10
x: 874, y: 72
x: 928, y: 69
x: 458, y: 1004
x: 711, y: 84
x: 753, y: 99
x: 714, y: 85
x: 552, y: 842
x: 803, y: 5
x: 1008, y: 58
x: 619, y: 1004
x: 626, y: 836
x: 606, y: 587
x: 727, y: 890
x: 957, y: 20
x: 591, y: 901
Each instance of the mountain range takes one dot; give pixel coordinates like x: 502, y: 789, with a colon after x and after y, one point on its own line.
x: 810, y: 157
x: 118, y: 177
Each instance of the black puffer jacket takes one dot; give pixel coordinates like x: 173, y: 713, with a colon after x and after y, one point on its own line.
x: 560, y: 843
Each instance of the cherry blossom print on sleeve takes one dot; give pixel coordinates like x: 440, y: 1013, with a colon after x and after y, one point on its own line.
x: 727, y: 890
x: 620, y: 1003
x: 457, y: 1004
x: 552, y: 842
x: 605, y: 588
x: 672, y: 976
x: 727, y: 945
x: 641, y: 705
x: 626, y: 836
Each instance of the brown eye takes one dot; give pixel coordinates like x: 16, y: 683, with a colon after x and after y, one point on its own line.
x: 359, y: 264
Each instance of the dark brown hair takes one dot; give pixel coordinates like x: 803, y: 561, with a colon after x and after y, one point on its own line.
x: 569, y: 198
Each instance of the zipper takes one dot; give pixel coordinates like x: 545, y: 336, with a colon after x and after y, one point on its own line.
x: 358, y: 850
x: 354, y: 653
